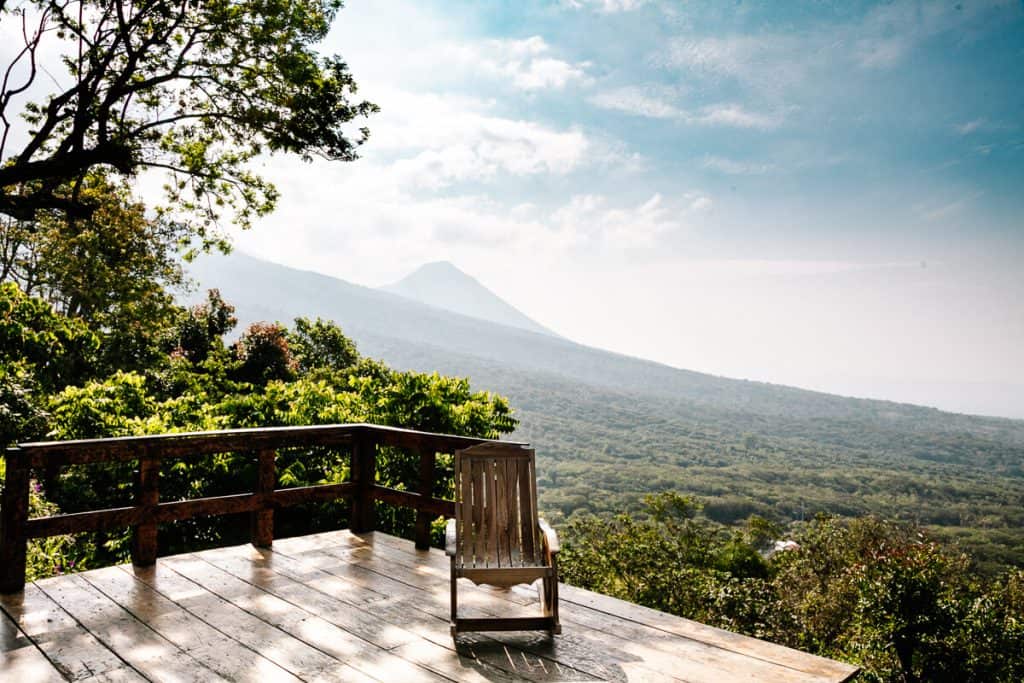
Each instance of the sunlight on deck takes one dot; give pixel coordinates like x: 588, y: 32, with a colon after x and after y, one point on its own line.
x: 344, y: 607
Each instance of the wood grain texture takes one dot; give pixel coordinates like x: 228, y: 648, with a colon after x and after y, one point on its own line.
x: 338, y: 606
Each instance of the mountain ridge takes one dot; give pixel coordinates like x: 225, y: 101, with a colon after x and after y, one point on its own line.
x: 610, y: 429
x: 273, y: 291
x: 443, y: 285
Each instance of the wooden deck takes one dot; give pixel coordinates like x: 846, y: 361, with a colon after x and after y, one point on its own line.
x: 345, y: 607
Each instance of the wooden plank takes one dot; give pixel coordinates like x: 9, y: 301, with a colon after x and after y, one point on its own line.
x: 270, y: 641
x: 527, y: 513
x: 149, y: 653
x: 28, y: 664
x: 380, y: 558
x: 71, y: 649
x: 504, y: 576
x: 13, y: 517
x: 318, y: 593
x: 434, y: 507
x: 501, y: 514
x: 218, y: 650
x: 465, y: 518
x: 20, y: 659
x: 182, y: 445
x: 511, y: 481
x: 310, y: 629
x: 828, y: 669
x: 478, y: 533
x: 298, y: 495
x: 490, y: 491
x: 581, y: 657
x: 404, y: 607
x: 185, y: 444
x: 700, y: 661
x: 454, y: 665
x: 118, y: 518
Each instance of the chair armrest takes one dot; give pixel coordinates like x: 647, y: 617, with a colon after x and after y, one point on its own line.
x: 550, y: 538
x: 449, y: 538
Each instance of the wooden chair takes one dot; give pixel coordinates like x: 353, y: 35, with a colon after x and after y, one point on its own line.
x: 496, y: 537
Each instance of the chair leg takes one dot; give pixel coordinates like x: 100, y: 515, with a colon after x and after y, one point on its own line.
x: 556, y: 627
x: 455, y: 601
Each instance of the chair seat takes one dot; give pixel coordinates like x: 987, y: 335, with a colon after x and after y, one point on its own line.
x: 504, y: 576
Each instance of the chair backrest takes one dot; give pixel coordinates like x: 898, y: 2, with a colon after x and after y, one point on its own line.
x: 496, y: 507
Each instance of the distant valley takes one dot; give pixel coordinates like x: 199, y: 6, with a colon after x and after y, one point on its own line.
x: 610, y: 428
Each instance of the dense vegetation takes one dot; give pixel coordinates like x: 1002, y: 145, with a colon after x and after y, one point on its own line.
x: 610, y: 429
x: 867, y: 591
x: 310, y: 374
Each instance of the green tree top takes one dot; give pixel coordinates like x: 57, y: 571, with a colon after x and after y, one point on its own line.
x: 195, y: 88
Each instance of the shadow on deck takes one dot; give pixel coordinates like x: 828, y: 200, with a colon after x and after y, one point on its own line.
x: 339, y: 606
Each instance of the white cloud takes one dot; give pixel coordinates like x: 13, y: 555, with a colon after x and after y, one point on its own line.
x: 970, y: 126
x: 592, y: 220
x: 734, y: 167
x: 526, y: 64
x: 436, y: 140
x: 736, y: 116
x: 651, y: 102
x: 639, y: 102
x: 701, y: 203
x: 948, y: 209
x: 606, y: 6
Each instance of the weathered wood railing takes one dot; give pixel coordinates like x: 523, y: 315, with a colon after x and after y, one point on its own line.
x: 150, y: 451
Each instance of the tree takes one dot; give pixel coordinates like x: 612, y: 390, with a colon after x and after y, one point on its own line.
x: 321, y: 344
x: 201, y: 328
x: 264, y: 354
x: 112, y: 269
x: 195, y: 88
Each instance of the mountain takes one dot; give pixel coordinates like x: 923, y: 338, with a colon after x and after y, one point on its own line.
x: 443, y: 285
x: 610, y: 428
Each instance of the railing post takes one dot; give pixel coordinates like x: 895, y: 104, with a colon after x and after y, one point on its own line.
x: 147, y: 497
x: 262, y: 520
x: 364, y: 476
x: 423, y: 518
x: 13, y: 517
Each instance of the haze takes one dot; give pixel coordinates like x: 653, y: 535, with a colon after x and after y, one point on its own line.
x: 826, y: 196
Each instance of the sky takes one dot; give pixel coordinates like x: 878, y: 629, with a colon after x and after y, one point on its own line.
x: 822, y: 194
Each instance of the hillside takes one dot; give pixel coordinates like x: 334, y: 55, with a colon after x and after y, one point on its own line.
x: 610, y: 428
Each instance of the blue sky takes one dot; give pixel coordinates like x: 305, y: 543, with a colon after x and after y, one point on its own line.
x: 820, y: 194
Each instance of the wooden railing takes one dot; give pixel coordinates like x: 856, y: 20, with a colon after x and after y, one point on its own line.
x: 147, y: 511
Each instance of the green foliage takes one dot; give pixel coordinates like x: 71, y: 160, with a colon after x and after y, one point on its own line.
x: 203, y: 385
x: 200, y: 330
x: 264, y: 355
x: 110, y: 270
x: 21, y: 416
x: 55, y: 349
x: 196, y: 88
x: 321, y: 345
x: 874, y: 593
